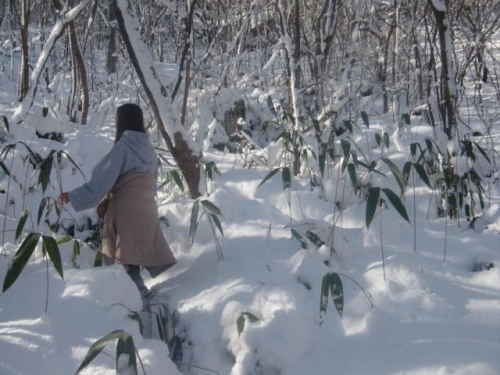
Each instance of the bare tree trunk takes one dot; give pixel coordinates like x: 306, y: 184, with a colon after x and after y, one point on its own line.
x: 23, y: 16
x: 431, y: 76
x: 448, y: 87
x: 3, y: 10
x: 289, y: 15
x: 82, y: 88
x: 296, y: 83
x: 325, y: 25
x: 385, y: 67
x: 79, y: 97
x: 185, y: 157
x: 111, y: 59
x: 64, y: 18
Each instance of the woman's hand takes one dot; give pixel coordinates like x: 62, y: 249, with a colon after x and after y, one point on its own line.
x: 63, y: 198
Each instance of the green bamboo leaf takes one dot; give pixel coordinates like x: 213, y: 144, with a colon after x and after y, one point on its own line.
x: 364, y: 116
x: 346, y: 148
x: 194, y: 221
x: 372, y: 204
x: 20, y: 259
x: 51, y: 248
x: 285, y: 135
x: 98, y: 347
x: 177, y: 179
x: 314, y: 238
x: 175, y: 349
x: 286, y: 178
x: 430, y: 145
x: 6, y: 122
x: 59, y: 153
x: 406, y: 171
x: 321, y: 164
x: 351, y: 169
x: 348, y: 125
x: 210, y: 168
x: 371, y: 167
x: 400, y: 179
x: 405, y: 117
x: 4, y: 168
x: 322, y: 157
x: 323, y: 300
x: 98, y: 259
x: 331, y: 152
x: 45, y: 111
x: 45, y: 170
x: 211, y: 207
x: 64, y: 239
x: 216, y: 220
x: 125, y: 347
x: 467, y: 149
x: 264, y: 126
x: 337, y: 292
x: 467, y: 211
x: 35, y: 157
x: 396, y: 202
x: 269, y: 175
x: 299, y: 238
x: 478, y: 183
x: 413, y: 149
x: 240, y: 322
x: 5, y: 151
x: 317, y: 127
x: 22, y: 222
x: 76, y: 253
x: 354, y: 156
x: 385, y: 137
x: 482, y: 151
x: 422, y: 174
x: 41, y: 208
x: 378, y: 139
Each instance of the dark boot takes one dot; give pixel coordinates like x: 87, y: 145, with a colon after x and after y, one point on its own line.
x: 134, y: 272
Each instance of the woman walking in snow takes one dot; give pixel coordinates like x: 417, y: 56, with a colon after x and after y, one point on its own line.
x: 123, y: 186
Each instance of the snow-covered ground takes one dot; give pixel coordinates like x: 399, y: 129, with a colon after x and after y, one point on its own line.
x: 432, y: 314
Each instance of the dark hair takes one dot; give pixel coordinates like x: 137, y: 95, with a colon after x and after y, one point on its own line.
x: 129, y: 117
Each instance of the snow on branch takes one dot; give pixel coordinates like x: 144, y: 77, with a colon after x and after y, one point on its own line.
x: 149, y: 75
x: 65, y: 17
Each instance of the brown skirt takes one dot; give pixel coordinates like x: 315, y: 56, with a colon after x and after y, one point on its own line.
x: 132, y: 232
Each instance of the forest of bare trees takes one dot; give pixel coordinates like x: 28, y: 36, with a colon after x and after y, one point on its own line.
x: 315, y: 61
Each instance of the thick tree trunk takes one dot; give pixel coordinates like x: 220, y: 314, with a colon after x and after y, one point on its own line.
x: 184, y: 156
